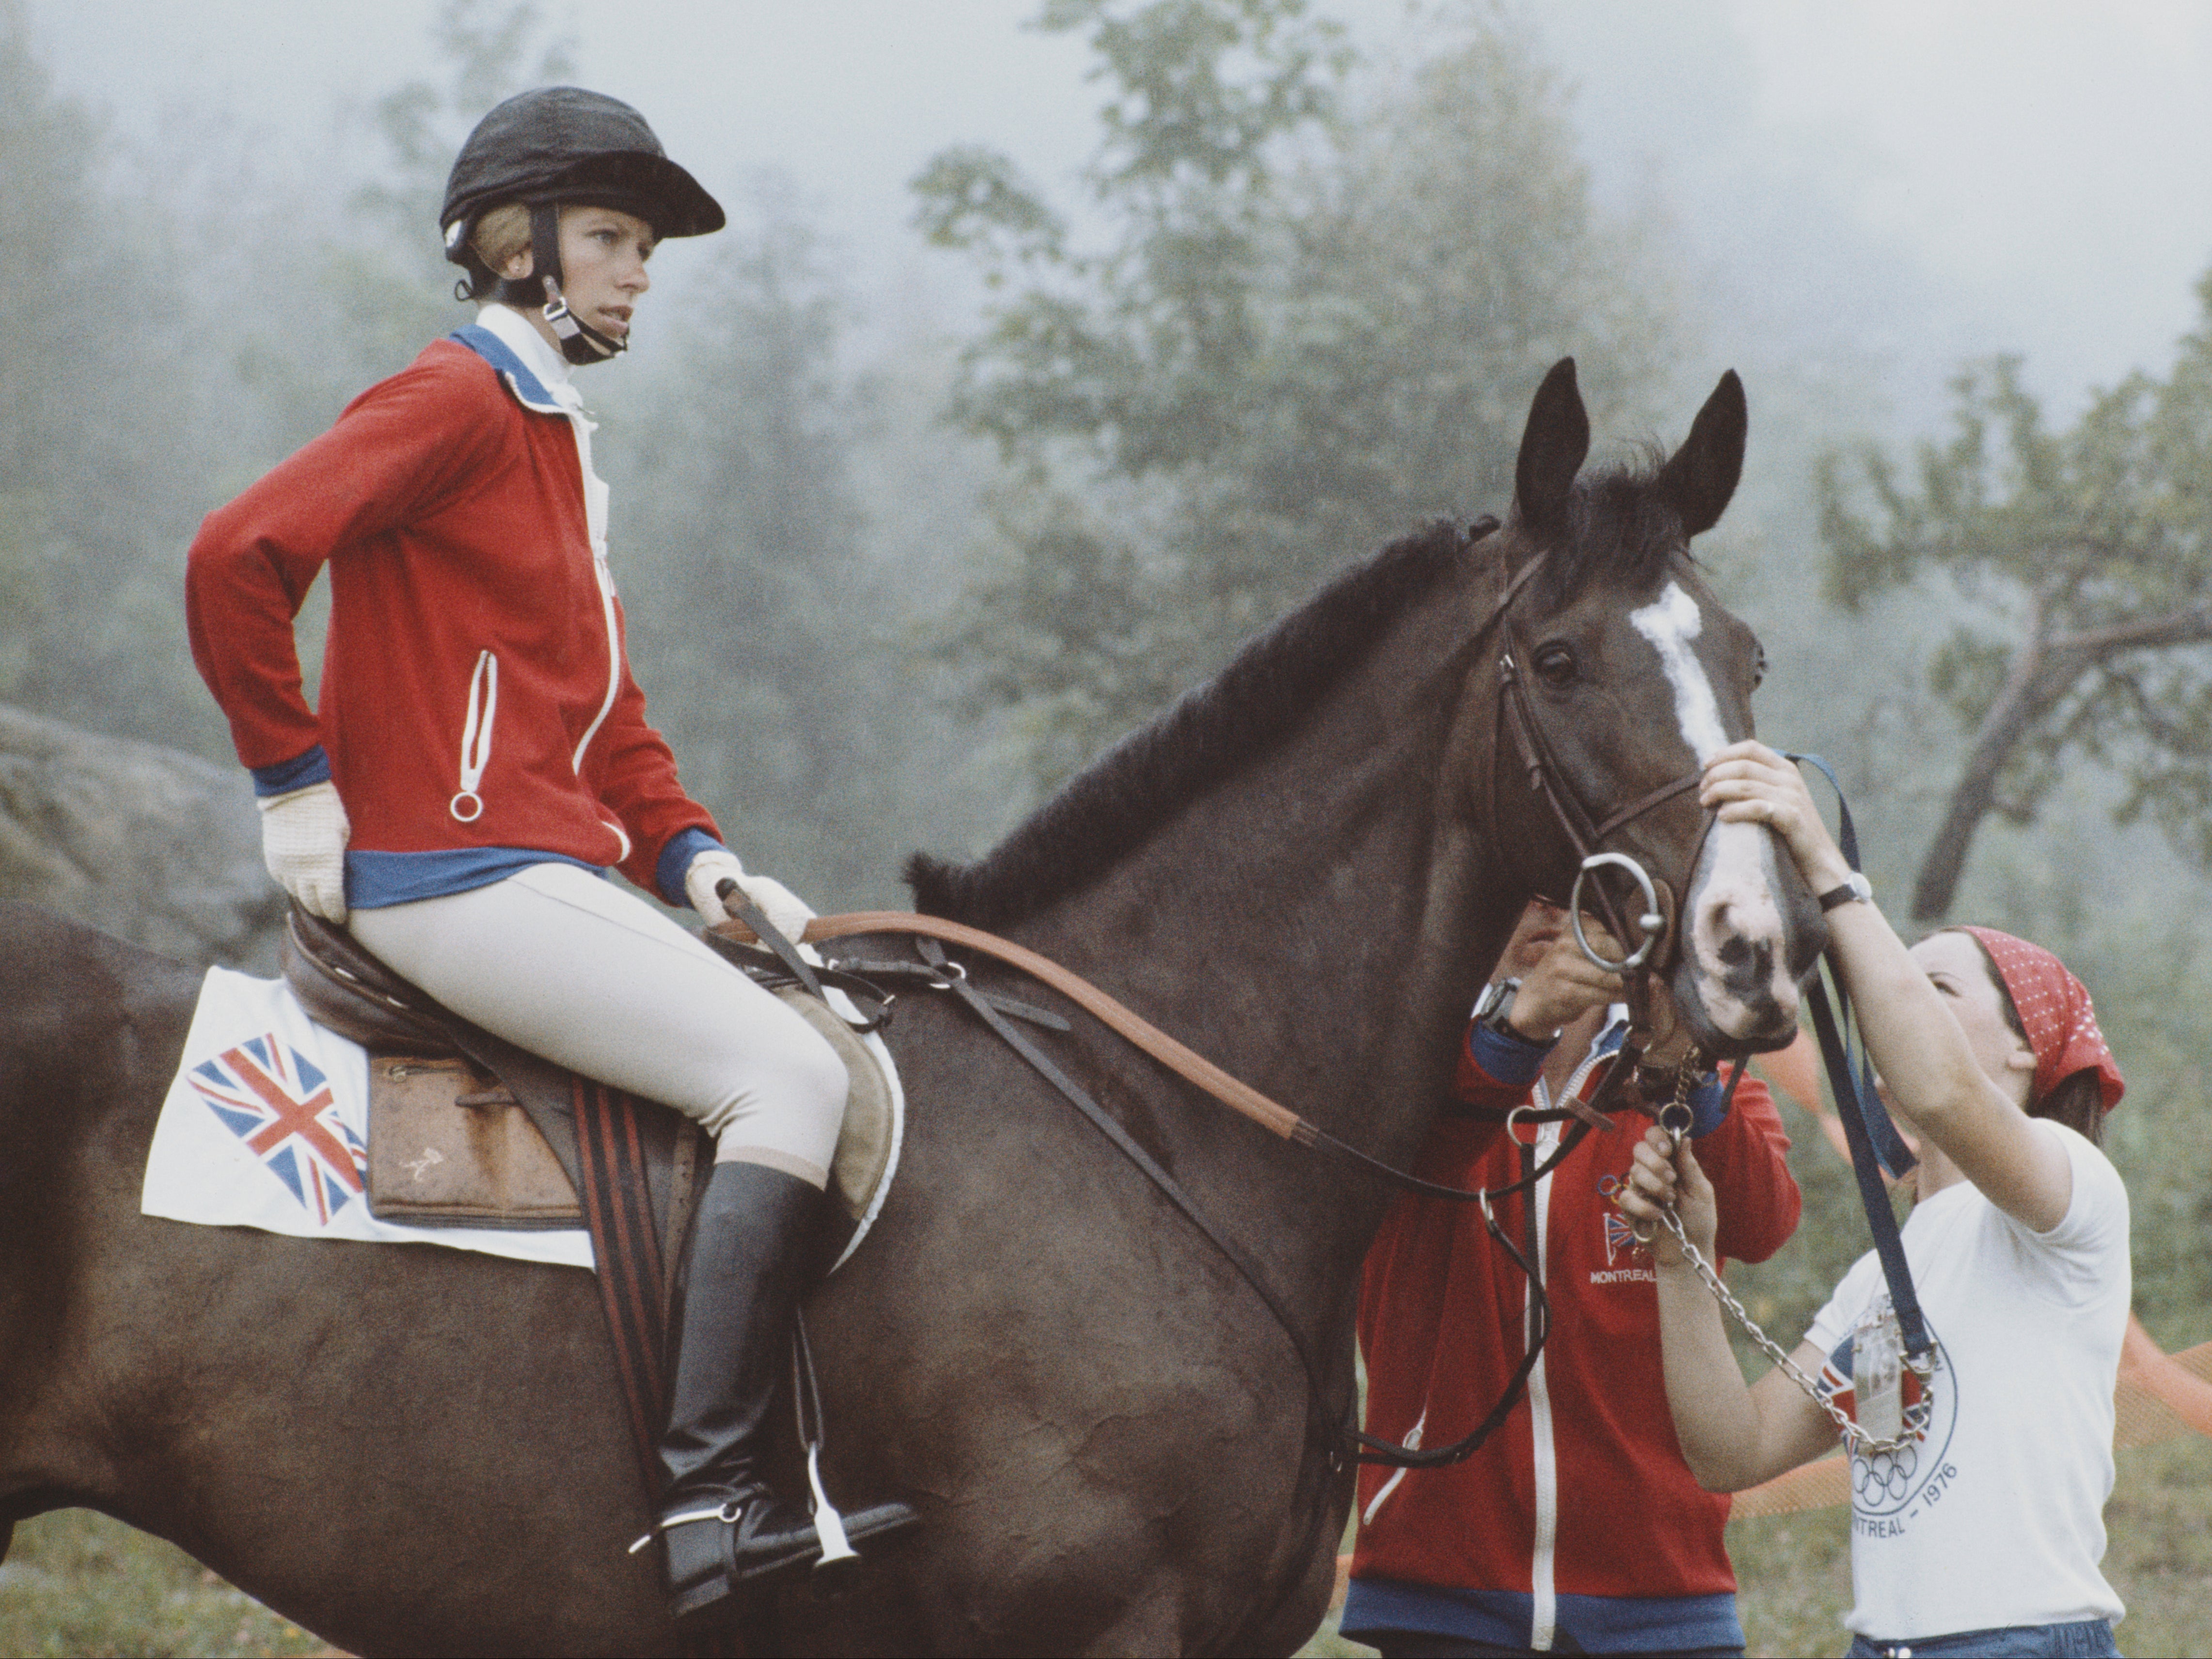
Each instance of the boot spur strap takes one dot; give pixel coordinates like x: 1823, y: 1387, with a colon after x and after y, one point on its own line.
x: 727, y: 1513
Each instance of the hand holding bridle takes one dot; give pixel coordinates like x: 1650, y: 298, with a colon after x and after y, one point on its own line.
x: 1666, y: 1176
x: 1563, y: 985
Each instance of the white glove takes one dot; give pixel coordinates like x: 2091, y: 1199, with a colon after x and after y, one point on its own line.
x: 787, y: 913
x: 303, y: 842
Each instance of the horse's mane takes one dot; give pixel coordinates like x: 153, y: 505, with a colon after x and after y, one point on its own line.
x: 1618, y: 530
x: 1256, y: 702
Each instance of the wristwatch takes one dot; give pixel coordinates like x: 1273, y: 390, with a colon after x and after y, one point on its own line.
x: 1496, y: 1004
x: 1856, y: 889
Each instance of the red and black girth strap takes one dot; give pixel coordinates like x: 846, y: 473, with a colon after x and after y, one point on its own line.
x: 633, y: 1283
x: 626, y: 1247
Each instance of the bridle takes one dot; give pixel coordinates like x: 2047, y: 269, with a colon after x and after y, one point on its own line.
x: 1658, y: 923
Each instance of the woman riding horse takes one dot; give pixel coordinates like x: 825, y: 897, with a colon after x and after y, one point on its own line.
x: 482, y: 754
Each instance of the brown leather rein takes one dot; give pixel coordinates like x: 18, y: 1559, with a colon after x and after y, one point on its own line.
x: 1543, y: 768
x: 1183, y: 1061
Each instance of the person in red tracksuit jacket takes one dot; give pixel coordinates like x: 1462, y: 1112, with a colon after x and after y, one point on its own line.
x: 1576, y: 1528
x: 480, y: 757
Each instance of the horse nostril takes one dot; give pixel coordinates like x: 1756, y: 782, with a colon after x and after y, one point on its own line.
x: 1747, y: 962
x: 1762, y: 963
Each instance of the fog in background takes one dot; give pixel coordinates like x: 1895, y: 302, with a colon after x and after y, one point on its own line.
x: 1891, y: 177
x: 890, y: 579
x: 1847, y: 200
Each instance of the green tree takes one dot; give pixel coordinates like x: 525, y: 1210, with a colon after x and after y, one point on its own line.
x: 2080, y: 562
x: 98, y: 451
x: 136, y: 390
x: 1314, y: 322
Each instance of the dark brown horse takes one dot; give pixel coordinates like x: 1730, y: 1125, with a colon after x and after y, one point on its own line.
x: 1303, y: 870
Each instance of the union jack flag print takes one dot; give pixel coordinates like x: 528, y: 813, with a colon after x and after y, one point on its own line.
x: 1840, y: 1388
x: 1620, y: 1239
x: 278, y: 1102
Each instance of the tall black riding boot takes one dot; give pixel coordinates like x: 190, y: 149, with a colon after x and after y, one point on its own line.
x: 720, y: 1523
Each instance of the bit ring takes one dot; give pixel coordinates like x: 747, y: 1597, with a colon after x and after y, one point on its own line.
x: 1653, y: 922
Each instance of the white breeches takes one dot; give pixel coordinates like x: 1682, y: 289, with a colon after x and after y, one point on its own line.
x: 568, y: 965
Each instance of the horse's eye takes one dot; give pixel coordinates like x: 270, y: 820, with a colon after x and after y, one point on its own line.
x: 1555, y: 666
x: 1757, y: 667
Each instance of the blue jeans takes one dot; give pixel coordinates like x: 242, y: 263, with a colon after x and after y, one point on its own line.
x: 2091, y: 1638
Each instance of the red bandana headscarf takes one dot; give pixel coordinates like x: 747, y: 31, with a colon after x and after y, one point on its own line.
x: 2055, y: 1008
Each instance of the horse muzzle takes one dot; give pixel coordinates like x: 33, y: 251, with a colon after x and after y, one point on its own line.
x: 1752, y: 933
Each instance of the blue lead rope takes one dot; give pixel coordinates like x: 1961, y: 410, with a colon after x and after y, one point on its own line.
x: 1874, y: 1143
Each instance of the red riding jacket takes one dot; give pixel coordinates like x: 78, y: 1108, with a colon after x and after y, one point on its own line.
x: 475, y: 695
x: 1582, y: 1492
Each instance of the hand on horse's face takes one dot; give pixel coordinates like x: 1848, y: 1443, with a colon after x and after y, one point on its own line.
x: 1564, y: 984
x: 1748, y: 783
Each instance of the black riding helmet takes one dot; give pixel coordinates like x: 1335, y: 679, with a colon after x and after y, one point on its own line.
x: 558, y: 146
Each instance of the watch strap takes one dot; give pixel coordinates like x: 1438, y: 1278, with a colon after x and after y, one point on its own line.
x: 1857, y: 888
x: 1495, y: 1003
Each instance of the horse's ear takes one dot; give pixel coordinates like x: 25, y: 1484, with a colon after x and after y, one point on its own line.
x: 1703, y: 474
x: 1552, y: 446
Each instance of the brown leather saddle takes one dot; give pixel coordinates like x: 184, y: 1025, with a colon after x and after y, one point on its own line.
x: 467, y: 1129
x: 464, y: 1128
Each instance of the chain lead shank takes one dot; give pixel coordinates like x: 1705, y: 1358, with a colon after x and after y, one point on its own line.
x: 1676, y: 1117
x: 1857, y: 1439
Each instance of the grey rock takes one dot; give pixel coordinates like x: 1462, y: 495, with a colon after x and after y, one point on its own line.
x: 149, y: 843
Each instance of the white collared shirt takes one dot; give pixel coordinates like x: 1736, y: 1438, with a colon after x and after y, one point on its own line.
x: 518, y: 335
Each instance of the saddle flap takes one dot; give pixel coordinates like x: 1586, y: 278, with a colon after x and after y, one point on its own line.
x: 867, y: 1144
x: 433, y: 1161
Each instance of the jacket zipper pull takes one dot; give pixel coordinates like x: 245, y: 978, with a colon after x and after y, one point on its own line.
x: 467, y: 806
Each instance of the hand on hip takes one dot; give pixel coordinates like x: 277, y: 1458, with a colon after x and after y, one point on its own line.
x: 303, y: 842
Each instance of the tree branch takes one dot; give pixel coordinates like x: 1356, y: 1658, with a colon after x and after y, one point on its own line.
x: 2018, y: 702
x: 2179, y: 628
x: 2044, y: 670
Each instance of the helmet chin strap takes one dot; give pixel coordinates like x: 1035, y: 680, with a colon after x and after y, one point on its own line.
x: 581, y: 343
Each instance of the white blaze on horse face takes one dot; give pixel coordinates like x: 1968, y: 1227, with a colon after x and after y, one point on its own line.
x: 1670, y: 623
x: 1736, y: 944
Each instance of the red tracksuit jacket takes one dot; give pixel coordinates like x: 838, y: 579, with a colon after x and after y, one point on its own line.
x: 452, y: 517
x: 1583, y: 1485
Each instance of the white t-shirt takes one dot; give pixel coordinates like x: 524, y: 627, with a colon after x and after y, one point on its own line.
x: 1996, y: 1516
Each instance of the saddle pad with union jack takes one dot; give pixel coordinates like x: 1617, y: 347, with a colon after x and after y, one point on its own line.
x: 266, y: 1126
